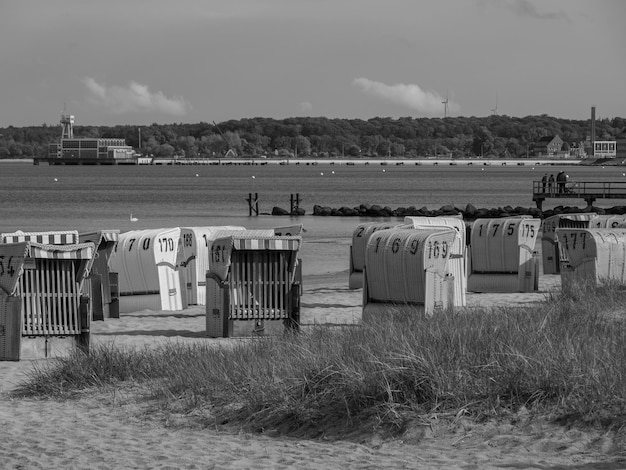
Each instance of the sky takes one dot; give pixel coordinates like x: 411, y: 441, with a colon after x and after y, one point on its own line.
x: 138, y: 62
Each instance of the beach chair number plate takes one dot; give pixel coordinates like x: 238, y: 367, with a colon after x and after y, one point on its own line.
x: 435, y: 248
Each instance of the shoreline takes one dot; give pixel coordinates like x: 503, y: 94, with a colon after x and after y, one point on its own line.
x: 347, y: 161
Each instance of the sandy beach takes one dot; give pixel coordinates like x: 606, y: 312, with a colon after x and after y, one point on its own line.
x: 114, y: 430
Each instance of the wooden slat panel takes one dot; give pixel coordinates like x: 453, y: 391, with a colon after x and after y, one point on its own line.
x: 50, y: 298
x: 28, y: 319
x: 48, y: 288
x: 259, y: 284
x: 20, y: 293
x: 75, y: 298
x: 49, y: 293
x: 58, y: 293
x: 34, y: 315
x: 47, y: 320
x: 265, y: 285
x: 37, y: 301
x: 235, y: 288
x: 248, y: 282
x: 251, y: 263
x: 268, y: 287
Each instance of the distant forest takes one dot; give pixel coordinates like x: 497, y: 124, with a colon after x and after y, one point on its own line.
x: 496, y: 136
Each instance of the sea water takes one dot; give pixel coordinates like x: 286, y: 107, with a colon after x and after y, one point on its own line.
x: 85, y: 198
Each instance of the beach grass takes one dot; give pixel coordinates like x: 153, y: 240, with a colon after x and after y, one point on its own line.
x: 564, y: 358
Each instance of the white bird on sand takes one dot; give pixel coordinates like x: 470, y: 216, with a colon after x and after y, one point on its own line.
x: 133, y: 219
x: 55, y: 179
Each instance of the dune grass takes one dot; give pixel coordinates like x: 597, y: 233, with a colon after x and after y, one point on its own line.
x: 564, y: 358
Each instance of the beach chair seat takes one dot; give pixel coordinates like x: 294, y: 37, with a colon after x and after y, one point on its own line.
x: 594, y: 256
x: 104, y: 299
x: 501, y: 255
x: 551, y: 253
x: 457, y: 264
x: 47, y: 283
x: 193, y: 258
x: 149, y: 276
x: 406, y: 269
x: 253, y: 284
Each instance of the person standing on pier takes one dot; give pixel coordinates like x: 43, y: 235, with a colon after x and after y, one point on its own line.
x: 551, y: 183
x: 544, y: 182
x: 560, y: 181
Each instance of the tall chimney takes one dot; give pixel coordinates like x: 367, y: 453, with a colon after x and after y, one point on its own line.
x: 593, y: 130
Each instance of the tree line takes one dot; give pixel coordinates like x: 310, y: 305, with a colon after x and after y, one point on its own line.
x: 495, y: 136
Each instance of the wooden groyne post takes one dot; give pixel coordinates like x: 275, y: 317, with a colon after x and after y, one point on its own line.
x: 294, y: 202
x: 253, y: 203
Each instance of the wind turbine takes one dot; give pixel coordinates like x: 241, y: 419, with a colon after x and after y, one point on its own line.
x: 445, y: 106
x: 495, y: 110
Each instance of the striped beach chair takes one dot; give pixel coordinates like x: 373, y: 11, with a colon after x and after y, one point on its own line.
x: 48, y: 281
x: 253, y: 285
x: 102, y: 285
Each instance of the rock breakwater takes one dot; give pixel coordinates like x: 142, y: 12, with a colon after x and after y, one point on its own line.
x: 470, y: 212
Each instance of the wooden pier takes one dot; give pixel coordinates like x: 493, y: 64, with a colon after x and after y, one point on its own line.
x: 589, y: 191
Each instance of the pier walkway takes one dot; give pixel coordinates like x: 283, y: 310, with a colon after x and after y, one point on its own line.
x: 587, y: 190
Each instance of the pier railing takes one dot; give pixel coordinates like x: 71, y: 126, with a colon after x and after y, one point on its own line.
x: 587, y: 190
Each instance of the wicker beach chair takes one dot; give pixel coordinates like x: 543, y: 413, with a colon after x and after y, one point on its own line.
x: 502, y: 257
x: 407, y: 269
x: 594, y: 256
x: 253, y: 285
x: 46, y: 281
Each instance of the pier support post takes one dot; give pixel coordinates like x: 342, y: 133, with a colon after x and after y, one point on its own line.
x: 253, y: 204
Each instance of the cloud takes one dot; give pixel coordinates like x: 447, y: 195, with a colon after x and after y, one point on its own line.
x: 409, y: 96
x: 136, y: 97
x: 526, y: 8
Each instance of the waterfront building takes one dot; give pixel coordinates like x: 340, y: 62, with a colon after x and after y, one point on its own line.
x: 549, y: 145
x: 605, y: 149
x: 87, y: 151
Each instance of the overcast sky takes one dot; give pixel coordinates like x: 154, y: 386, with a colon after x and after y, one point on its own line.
x: 169, y: 61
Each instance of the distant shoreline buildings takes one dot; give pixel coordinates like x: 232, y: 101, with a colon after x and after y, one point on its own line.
x: 87, y: 151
